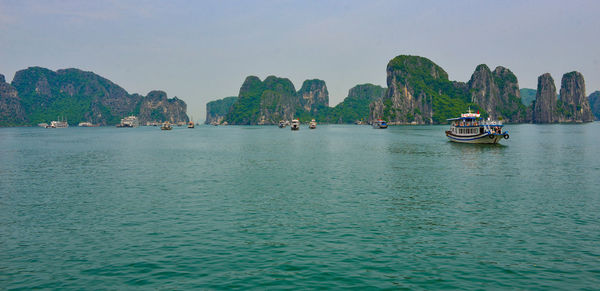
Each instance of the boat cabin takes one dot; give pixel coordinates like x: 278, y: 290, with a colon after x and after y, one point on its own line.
x: 471, y: 124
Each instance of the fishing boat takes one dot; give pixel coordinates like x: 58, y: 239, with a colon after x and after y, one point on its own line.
x: 166, y: 126
x: 380, y: 124
x: 313, y: 124
x: 295, y: 124
x: 471, y: 128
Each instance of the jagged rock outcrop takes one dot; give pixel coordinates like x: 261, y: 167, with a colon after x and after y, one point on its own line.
x: 497, y: 93
x: 573, y: 104
x: 484, y: 90
x: 419, y: 92
x: 544, y: 106
x: 265, y: 102
x: 594, y: 100
x: 79, y: 96
x: 275, y: 99
x: 313, y: 95
x: 217, y: 110
x: 278, y: 102
x: 156, y: 107
x: 11, y: 111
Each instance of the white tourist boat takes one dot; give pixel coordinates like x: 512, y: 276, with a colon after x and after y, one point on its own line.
x: 295, y: 124
x: 313, y: 124
x: 129, y: 121
x: 282, y: 124
x: 60, y: 123
x: 471, y: 128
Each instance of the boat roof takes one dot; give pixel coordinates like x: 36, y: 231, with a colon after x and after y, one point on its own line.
x: 463, y: 118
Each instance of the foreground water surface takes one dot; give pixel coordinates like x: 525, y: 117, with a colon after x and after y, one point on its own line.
x: 268, y: 208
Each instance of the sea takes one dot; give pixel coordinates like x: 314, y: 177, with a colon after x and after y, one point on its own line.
x: 338, y: 207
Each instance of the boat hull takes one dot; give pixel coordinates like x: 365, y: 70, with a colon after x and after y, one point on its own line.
x: 485, y: 138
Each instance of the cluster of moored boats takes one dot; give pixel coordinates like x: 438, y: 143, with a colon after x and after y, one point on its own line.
x: 468, y: 128
x: 295, y: 124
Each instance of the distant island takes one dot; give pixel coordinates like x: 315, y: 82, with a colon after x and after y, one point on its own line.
x: 274, y: 99
x: 418, y: 92
x: 39, y: 95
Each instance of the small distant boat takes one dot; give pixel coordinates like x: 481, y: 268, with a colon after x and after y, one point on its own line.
x: 166, y: 126
x: 282, y: 124
x: 44, y: 125
x: 129, y: 121
x: 86, y: 124
x: 313, y: 124
x: 191, y: 124
x: 295, y: 124
x: 380, y: 124
x: 60, y: 123
x: 471, y: 128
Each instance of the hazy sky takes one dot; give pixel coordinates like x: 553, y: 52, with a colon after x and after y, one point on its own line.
x: 203, y: 50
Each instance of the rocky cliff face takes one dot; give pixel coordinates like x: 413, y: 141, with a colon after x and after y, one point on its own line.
x: 484, y: 90
x: 278, y: 102
x: 544, y: 107
x: 156, y: 107
x: 313, y: 95
x: 573, y: 104
x: 594, y: 100
x: 419, y: 92
x: 275, y: 99
x: 217, y: 110
x: 497, y: 93
x: 407, y: 101
x: 11, y: 111
x: 81, y: 96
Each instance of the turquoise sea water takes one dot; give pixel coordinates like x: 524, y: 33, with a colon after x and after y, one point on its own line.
x: 268, y: 208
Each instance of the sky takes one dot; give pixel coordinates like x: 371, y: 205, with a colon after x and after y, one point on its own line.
x: 201, y: 51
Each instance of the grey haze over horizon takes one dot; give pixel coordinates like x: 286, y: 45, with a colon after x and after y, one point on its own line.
x: 202, y: 50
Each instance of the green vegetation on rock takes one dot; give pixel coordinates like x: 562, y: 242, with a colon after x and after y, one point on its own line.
x: 80, y: 96
x: 527, y: 96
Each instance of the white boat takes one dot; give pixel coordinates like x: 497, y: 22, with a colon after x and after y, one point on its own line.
x: 471, y: 128
x: 380, y: 124
x: 282, y: 124
x: 313, y: 124
x: 129, y: 121
x: 86, y: 124
x: 295, y: 124
x: 60, y: 123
